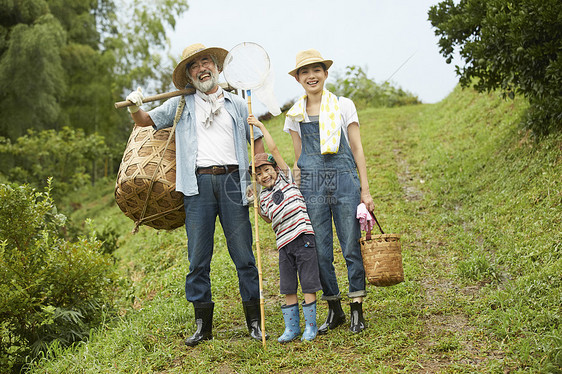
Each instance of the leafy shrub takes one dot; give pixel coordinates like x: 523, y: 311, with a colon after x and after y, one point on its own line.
x: 365, y: 92
x: 50, y: 289
x: 513, y: 46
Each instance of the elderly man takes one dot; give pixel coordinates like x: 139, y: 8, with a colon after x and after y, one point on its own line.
x: 212, y: 174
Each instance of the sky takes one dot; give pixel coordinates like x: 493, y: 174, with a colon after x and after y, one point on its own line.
x: 389, y: 39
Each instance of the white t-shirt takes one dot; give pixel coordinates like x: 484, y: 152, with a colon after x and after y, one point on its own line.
x: 348, y: 116
x: 215, y: 144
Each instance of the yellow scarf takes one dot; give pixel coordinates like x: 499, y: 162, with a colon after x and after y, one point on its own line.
x: 329, y: 118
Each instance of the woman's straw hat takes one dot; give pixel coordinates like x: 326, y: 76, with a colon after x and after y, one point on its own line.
x: 308, y: 57
x: 189, y: 54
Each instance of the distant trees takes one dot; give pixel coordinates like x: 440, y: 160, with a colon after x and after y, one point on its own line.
x: 65, y: 62
x: 513, y: 46
x: 356, y: 85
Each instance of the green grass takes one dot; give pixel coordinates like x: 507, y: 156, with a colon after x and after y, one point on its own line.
x: 478, y: 205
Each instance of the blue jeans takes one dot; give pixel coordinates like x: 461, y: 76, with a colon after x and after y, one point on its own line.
x: 331, y: 189
x: 218, y: 195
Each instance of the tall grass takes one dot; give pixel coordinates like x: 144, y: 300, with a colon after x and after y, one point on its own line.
x: 478, y: 205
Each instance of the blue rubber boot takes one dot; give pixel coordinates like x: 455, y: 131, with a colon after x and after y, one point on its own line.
x: 292, y: 323
x: 310, y: 330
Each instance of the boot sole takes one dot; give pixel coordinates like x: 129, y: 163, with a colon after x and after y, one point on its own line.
x: 325, y: 331
x: 194, y: 343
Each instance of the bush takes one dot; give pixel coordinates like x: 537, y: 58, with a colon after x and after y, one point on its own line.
x: 365, y: 92
x: 50, y: 289
x: 67, y: 155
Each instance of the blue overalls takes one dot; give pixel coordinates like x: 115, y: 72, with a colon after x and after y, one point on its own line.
x: 331, y: 188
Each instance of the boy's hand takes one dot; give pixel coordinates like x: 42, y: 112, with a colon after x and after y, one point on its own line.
x: 254, y: 121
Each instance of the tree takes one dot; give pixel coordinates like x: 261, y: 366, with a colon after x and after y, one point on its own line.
x: 31, y: 73
x: 65, y: 62
x: 513, y: 46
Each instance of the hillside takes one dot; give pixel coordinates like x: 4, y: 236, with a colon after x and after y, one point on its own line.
x: 478, y: 205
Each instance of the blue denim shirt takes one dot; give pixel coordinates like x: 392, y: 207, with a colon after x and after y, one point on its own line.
x: 186, y: 139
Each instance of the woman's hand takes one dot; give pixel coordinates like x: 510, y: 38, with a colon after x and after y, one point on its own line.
x: 368, y: 201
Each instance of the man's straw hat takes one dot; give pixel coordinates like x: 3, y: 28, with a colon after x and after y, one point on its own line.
x: 189, y: 54
x: 309, y: 57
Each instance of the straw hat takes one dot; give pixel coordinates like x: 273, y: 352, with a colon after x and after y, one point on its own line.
x: 309, y: 57
x: 189, y: 54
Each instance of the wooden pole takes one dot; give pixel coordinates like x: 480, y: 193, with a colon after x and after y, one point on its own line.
x: 256, y: 221
x: 167, y: 95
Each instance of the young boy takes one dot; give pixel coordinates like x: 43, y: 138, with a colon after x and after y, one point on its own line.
x: 282, y: 205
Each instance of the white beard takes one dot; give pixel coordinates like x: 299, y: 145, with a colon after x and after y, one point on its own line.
x: 207, y: 85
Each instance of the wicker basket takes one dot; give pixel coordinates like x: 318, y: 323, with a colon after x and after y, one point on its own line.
x: 146, y: 162
x: 382, y: 259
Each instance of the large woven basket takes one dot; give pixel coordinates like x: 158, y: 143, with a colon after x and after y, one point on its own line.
x: 147, y: 160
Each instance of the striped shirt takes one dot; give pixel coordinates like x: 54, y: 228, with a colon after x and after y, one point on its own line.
x: 284, y: 205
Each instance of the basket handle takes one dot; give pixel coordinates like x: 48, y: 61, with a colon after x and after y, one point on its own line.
x: 368, y: 236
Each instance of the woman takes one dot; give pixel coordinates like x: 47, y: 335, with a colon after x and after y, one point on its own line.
x: 333, y: 181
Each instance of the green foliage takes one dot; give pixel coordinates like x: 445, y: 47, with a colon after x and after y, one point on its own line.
x: 64, y: 63
x: 512, y: 46
x: 365, y: 92
x: 50, y: 289
x: 67, y: 156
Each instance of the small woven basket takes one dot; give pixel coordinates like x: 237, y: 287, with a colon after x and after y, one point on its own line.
x: 382, y: 258
x: 148, y: 168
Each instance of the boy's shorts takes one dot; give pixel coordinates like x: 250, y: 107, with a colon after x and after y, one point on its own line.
x: 299, y: 257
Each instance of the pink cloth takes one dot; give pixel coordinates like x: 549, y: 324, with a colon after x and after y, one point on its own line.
x: 365, y: 218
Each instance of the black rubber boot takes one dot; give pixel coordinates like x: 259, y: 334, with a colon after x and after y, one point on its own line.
x: 204, y: 322
x: 357, y: 321
x: 253, y: 318
x: 335, y: 318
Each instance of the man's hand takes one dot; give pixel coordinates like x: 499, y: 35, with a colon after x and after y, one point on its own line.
x: 250, y: 194
x: 136, y: 98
